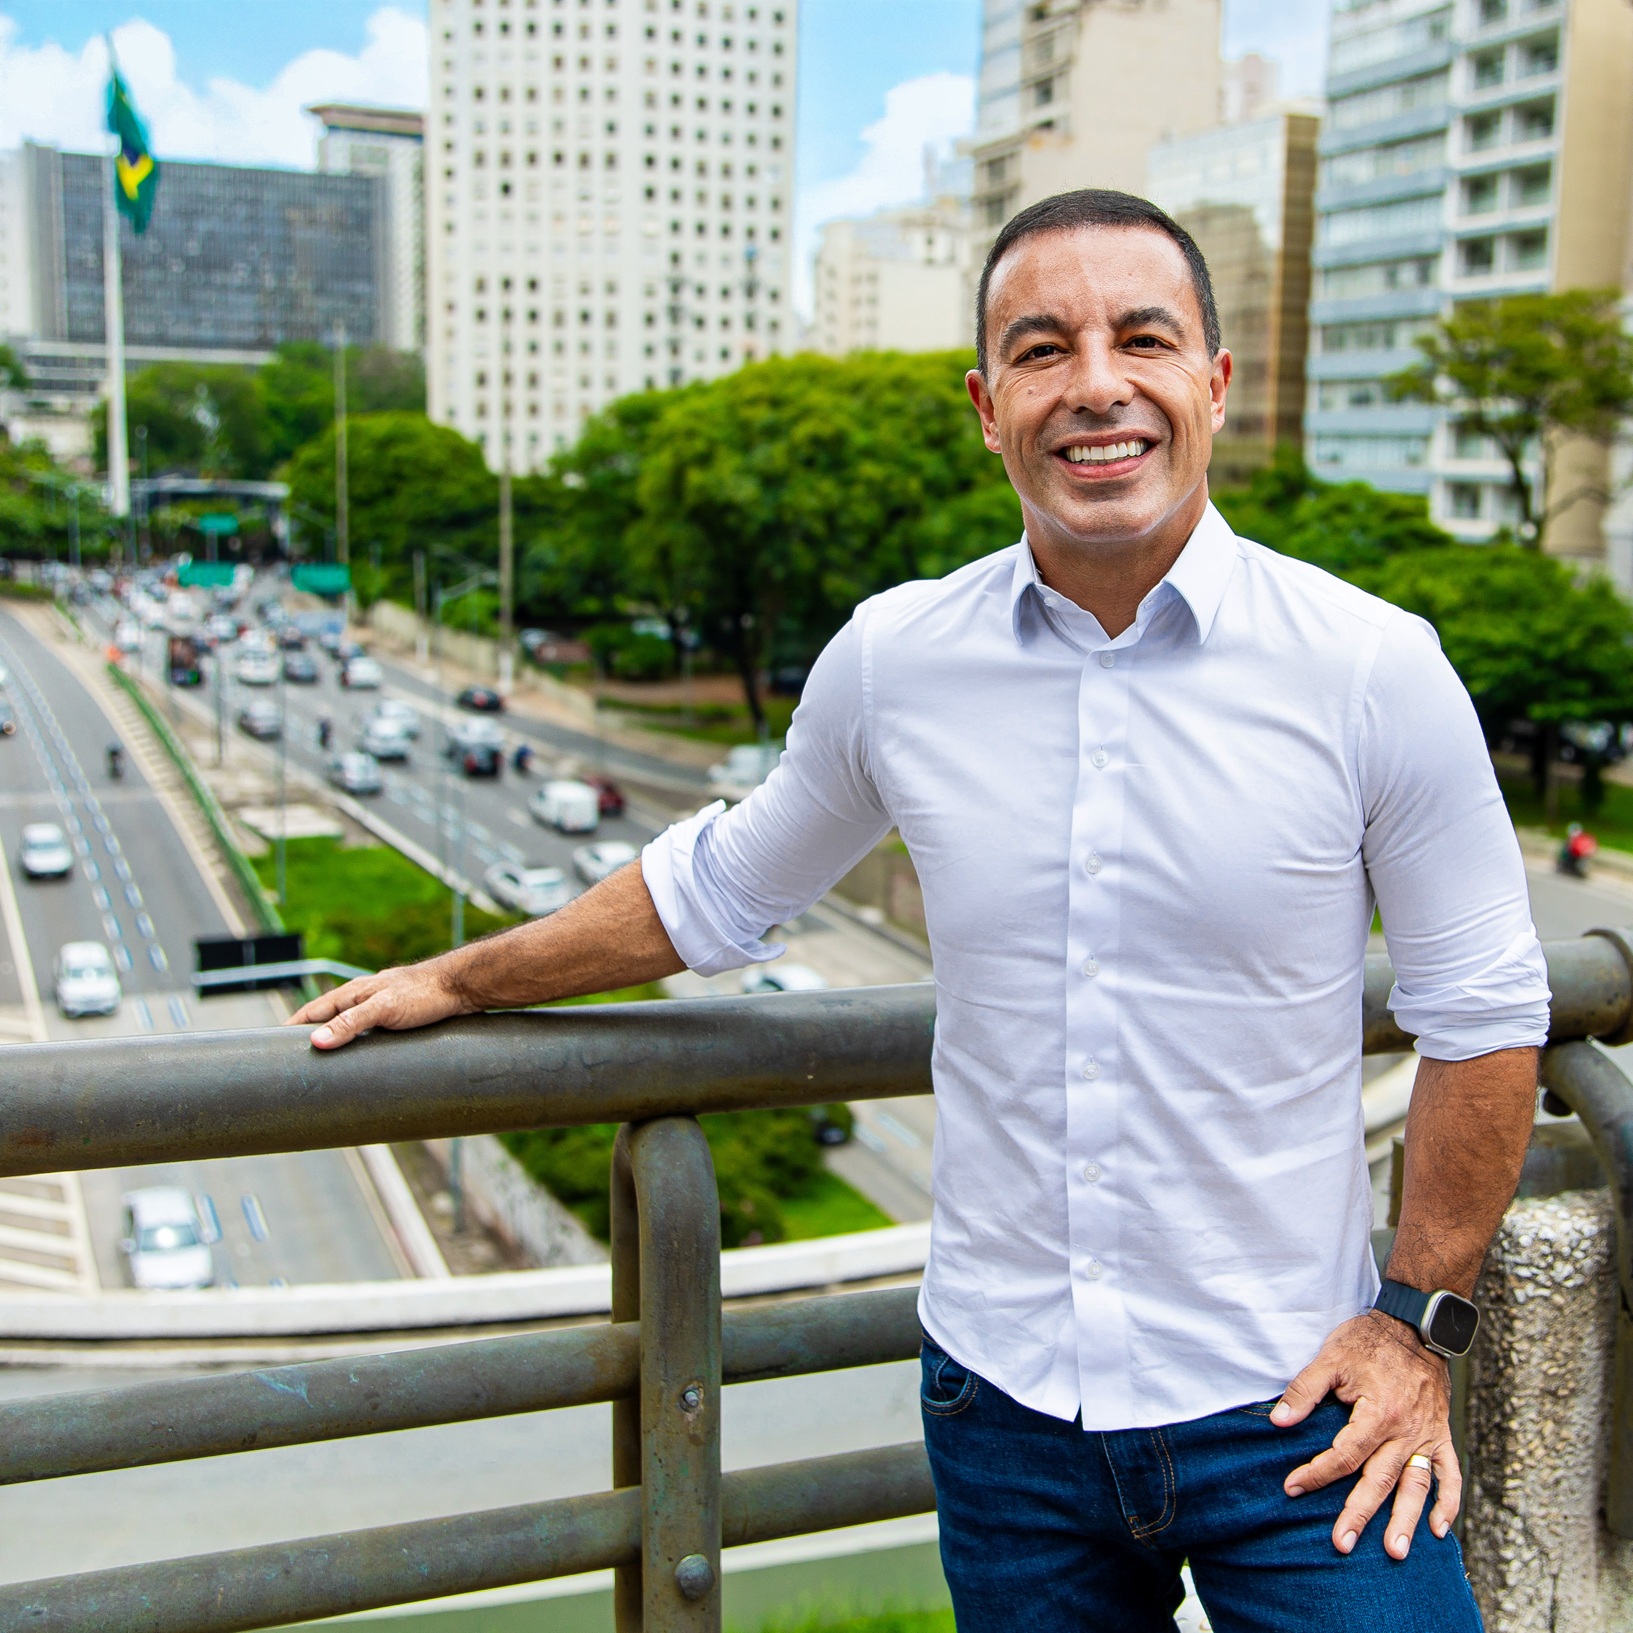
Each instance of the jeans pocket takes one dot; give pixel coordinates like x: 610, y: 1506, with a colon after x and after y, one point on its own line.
x: 946, y: 1386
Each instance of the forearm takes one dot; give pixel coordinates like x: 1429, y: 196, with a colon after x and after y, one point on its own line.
x: 1466, y: 1136
x: 609, y: 937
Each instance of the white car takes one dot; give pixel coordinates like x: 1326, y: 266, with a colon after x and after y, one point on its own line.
x: 593, y: 863
x: 744, y: 768
x: 780, y: 977
x: 45, y: 853
x: 355, y: 773
x: 404, y: 716
x: 86, y: 983
x: 534, y: 891
x: 163, y: 1240
x: 256, y: 669
x: 128, y: 637
x: 361, y: 675
x: 472, y: 733
x: 384, y: 739
x: 569, y: 807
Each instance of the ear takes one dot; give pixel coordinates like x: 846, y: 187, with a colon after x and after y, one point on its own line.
x: 1218, y: 385
x: 976, y: 385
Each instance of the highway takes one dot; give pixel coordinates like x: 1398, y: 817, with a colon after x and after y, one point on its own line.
x: 141, y: 890
x: 468, y: 824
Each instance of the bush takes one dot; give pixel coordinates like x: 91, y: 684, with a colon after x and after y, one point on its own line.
x: 627, y: 655
x: 761, y: 1159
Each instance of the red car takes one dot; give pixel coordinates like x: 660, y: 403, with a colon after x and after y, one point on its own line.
x: 608, y: 793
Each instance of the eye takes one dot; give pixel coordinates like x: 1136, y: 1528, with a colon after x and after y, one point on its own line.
x: 1148, y: 343
x: 1046, y: 348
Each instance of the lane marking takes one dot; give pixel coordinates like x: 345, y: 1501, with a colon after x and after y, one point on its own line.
x: 144, y: 1015
x: 178, y: 1013
x: 254, y: 1217
x: 122, y: 959
x: 155, y: 956
x: 22, y: 958
x: 211, y: 1219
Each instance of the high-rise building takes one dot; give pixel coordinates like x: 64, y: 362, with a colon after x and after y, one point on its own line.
x: 1073, y: 93
x: 1471, y: 150
x: 895, y: 281
x: 389, y: 143
x: 235, y: 262
x: 1245, y: 192
x: 609, y: 195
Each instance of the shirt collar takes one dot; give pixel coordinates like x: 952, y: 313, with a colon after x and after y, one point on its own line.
x: 1199, y: 576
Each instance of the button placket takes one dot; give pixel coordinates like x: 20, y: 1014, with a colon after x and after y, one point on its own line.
x: 1092, y: 1056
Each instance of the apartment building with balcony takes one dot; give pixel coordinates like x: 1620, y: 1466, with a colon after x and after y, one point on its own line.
x: 1471, y: 150
x: 609, y: 189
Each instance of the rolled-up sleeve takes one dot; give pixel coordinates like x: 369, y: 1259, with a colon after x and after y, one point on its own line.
x: 723, y: 878
x: 1444, y: 864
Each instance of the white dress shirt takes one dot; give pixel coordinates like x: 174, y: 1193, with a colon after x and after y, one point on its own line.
x: 1149, y: 868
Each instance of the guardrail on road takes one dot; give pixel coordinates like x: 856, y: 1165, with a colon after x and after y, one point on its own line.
x: 667, y: 1353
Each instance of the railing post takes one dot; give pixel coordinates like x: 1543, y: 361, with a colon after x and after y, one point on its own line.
x: 626, y: 1413
x: 679, y: 1208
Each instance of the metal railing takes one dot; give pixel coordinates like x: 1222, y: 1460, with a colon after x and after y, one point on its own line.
x: 668, y: 1351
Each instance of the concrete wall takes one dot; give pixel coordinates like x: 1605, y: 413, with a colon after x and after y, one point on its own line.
x: 1536, y: 1547
x: 500, y: 1194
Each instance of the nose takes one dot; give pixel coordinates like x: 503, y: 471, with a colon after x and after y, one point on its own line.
x: 1098, y: 382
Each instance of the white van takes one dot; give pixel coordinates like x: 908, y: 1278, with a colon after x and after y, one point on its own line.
x: 570, y: 807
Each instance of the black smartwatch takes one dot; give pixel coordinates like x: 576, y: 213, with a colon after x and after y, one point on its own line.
x: 1446, y: 1322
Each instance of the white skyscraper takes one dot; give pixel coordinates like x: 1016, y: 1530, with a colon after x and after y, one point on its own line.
x: 609, y: 187
x: 389, y: 143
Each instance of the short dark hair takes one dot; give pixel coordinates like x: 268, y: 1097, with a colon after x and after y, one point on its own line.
x: 1095, y: 207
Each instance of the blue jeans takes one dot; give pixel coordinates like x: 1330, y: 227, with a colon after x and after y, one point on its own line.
x: 1045, y: 1526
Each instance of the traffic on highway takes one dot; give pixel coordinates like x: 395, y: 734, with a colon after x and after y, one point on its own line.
x: 101, y: 895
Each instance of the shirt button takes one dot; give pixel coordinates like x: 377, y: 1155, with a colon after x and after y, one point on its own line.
x: 1092, y: 1070
x: 1092, y: 1173
x: 1092, y: 968
x: 1098, y: 759
x: 1108, y: 660
x: 1094, y: 1270
x: 1093, y: 865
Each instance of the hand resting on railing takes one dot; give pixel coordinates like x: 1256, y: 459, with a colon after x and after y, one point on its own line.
x: 610, y: 937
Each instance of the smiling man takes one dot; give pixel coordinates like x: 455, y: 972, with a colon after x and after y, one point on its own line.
x: 1154, y: 779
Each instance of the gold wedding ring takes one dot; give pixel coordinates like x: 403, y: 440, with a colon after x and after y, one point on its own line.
x: 1418, y: 1461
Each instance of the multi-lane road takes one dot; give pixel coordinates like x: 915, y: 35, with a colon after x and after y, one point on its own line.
x: 141, y: 889
x: 467, y: 824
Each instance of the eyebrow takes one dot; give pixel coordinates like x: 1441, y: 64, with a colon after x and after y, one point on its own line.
x: 1047, y: 323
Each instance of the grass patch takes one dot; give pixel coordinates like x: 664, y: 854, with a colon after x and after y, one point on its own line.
x: 1611, y: 824
x: 724, y: 723
x: 367, y: 905
x: 829, y: 1207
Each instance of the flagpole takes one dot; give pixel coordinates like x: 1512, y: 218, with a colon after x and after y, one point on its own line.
x: 113, y: 309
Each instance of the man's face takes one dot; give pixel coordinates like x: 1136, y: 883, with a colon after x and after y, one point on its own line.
x: 1095, y: 344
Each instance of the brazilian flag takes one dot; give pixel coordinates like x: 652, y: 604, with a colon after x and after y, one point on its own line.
x: 135, y: 170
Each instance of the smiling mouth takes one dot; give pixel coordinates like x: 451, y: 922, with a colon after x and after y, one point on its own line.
x: 1107, y: 456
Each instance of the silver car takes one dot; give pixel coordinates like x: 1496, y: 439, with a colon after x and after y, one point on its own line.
x: 164, y: 1241
x: 384, y: 739
x: 45, y: 853
x: 356, y: 773
x: 593, y: 863
x: 404, y: 716
x: 85, y: 980
x: 534, y: 891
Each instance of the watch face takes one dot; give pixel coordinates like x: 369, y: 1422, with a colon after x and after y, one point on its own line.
x: 1452, y: 1324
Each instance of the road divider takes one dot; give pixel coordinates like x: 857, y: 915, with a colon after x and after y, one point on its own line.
x: 461, y: 1301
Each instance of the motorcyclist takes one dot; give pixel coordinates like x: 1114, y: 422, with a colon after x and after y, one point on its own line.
x: 1579, y: 846
x: 325, y: 731
x: 116, y: 761
x: 522, y: 758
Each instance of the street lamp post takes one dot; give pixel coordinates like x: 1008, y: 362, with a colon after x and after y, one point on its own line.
x: 283, y: 808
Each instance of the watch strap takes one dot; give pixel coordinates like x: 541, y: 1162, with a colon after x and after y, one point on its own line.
x: 1404, y: 1303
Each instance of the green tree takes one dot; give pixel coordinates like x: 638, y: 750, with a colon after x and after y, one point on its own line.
x: 297, y: 390
x: 412, y: 486
x: 13, y: 376
x: 774, y: 499
x: 204, y: 420
x: 1532, y: 372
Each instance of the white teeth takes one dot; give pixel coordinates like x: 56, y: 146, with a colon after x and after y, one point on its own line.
x: 1106, y: 454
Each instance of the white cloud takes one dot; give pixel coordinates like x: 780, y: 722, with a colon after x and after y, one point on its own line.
x: 48, y: 94
x: 932, y: 112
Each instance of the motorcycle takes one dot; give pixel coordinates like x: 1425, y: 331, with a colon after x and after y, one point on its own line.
x: 1575, y: 853
x: 116, y: 762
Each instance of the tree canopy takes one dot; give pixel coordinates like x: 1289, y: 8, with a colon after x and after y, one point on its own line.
x: 1531, y: 372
